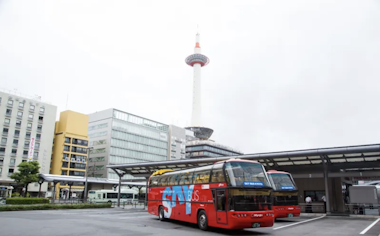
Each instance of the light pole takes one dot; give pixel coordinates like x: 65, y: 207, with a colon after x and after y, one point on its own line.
x: 87, y: 161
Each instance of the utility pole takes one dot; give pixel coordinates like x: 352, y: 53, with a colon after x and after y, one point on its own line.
x: 87, y: 162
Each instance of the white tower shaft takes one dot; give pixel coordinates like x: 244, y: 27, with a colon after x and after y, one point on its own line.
x: 196, y: 118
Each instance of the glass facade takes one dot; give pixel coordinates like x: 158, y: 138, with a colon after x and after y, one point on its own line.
x: 134, y: 129
x: 140, y: 139
x: 209, y: 148
x: 140, y: 121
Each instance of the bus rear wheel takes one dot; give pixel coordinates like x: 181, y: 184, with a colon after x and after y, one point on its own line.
x: 161, y: 215
x: 202, y: 220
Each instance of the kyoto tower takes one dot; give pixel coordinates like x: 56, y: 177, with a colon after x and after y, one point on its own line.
x: 197, y: 61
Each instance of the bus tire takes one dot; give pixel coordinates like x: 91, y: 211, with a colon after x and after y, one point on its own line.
x: 202, y: 220
x: 161, y: 215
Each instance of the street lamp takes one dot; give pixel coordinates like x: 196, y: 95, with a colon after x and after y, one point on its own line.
x: 85, y: 185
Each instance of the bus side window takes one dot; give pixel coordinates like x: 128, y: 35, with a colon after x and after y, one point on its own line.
x: 185, y: 178
x: 173, y: 180
x: 162, y: 181
x: 217, y: 174
x: 153, y: 181
x: 104, y: 195
x: 203, y: 177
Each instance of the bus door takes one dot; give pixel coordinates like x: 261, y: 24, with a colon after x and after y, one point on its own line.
x: 221, y: 206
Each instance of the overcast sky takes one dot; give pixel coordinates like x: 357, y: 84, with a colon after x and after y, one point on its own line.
x: 283, y: 75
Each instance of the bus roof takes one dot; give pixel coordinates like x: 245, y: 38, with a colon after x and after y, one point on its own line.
x: 236, y: 160
x: 277, y: 172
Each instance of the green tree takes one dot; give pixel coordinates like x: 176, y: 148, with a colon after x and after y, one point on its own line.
x: 27, y: 173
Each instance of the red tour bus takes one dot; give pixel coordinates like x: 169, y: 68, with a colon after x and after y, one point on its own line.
x: 232, y: 194
x: 285, y: 194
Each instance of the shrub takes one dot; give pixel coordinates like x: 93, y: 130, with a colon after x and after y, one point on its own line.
x: 26, y: 201
x: 53, y: 206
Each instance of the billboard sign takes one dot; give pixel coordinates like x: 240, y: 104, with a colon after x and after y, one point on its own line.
x: 31, y: 149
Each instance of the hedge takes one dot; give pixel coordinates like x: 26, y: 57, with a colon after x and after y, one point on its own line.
x: 53, y: 206
x: 26, y: 201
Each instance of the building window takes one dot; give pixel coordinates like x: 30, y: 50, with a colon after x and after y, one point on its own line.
x: 39, y: 128
x: 65, y: 164
x: 30, y: 116
x: 66, y: 148
x: 37, y: 145
x: 10, y: 171
x: 12, y: 162
x: 5, y: 130
x: 4, y: 141
x: 17, y: 133
x: 19, y: 114
x: 10, y: 102
x: 67, y: 140
x: 7, y: 121
x: 38, y: 136
x: 31, y: 108
x: 35, y: 154
x: 14, y: 151
x: 18, y: 123
x: 28, y: 135
x: 8, y: 112
x: 2, y: 150
x: 21, y: 105
x: 29, y: 126
x: 42, y: 109
x: 26, y: 144
x: 64, y: 172
x: 25, y: 153
x: 15, y: 142
x: 40, y: 119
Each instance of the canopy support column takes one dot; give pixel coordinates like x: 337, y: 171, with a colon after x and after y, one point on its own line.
x: 326, y: 179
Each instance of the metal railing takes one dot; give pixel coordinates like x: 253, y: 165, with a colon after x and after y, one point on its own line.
x: 130, y: 205
x: 312, y: 208
x: 362, y: 209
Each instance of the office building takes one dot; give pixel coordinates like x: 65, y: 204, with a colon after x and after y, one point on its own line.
x: 120, y: 137
x: 178, y: 138
x: 70, y: 150
x: 208, y: 148
x: 27, y: 130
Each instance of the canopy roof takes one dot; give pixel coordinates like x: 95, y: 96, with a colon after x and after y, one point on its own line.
x: 337, y: 159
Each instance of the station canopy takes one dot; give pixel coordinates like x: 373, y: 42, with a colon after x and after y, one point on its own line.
x: 78, y: 179
x: 337, y: 159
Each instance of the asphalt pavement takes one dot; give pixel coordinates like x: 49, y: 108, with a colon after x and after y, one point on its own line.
x: 137, y: 222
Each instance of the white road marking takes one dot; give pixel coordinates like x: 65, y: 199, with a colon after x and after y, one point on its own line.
x: 369, y: 226
x: 299, y: 222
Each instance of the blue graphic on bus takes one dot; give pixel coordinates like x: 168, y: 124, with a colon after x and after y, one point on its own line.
x: 253, y: 184
x: 180, y: 194
x: 287, y: 188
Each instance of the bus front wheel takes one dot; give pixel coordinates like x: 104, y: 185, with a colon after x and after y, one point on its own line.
x: 202, y: 220
x: 161, y: 214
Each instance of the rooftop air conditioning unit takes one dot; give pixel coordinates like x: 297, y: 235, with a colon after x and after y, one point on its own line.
x: 72, y: 159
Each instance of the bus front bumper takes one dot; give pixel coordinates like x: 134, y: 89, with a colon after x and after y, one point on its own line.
x: 247, y: 219
x: 286, y: 211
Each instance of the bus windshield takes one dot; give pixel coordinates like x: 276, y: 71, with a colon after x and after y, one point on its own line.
x: 282, y: 181
x: 246, y: 174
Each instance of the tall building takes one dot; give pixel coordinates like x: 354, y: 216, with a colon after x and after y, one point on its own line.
x: 27, y: 134
x: 120, y: 137
x: 178, y: 137
x: 197, y: 61
x: 208, y: 148
x: 70, y: 149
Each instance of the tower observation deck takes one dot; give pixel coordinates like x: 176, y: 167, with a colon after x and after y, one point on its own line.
x: 197, y: 61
